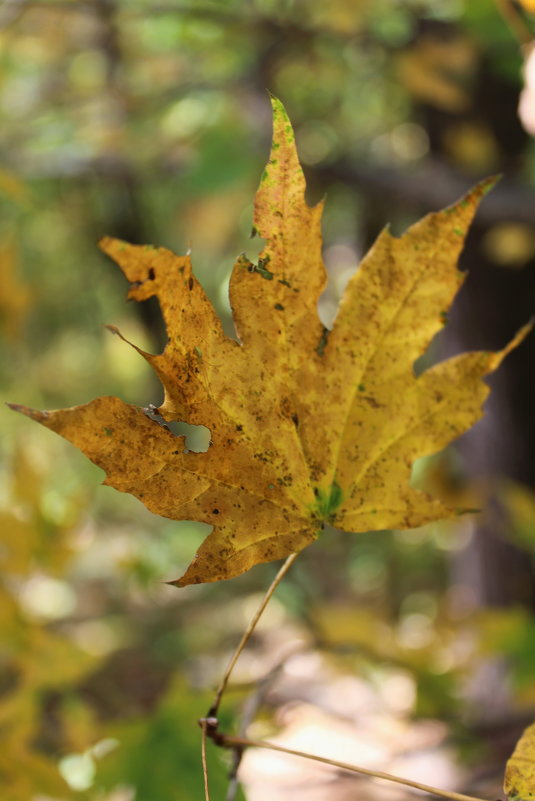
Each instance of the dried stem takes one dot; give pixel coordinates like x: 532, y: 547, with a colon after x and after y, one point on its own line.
x: 248, y: 632
x: 250, y: 708
x: 231, y: 741
x: 204, y: 726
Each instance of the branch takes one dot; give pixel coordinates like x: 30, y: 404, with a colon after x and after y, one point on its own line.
x: 230, y: 741
x: 212, y: 713
x: 250, y: 708
x: 432, y: 185
x: 204, y: 726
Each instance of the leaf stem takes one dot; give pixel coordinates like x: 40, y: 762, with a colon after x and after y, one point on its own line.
x: 248, y: 632
x: 231, y: 741
x: 204, y: 726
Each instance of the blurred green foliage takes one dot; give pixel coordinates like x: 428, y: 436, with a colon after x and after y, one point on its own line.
x: 150, y: 121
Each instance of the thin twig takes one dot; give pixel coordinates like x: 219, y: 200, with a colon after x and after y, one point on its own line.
x: 231, y: 741
x: 233, y: 781
x: 515, y: 22
x: 250, y: 709
x: 204, y: 726
x: 248, y: 632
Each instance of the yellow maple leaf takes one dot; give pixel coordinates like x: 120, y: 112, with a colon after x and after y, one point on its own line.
x: 308, y: 426
x: 519, y: 782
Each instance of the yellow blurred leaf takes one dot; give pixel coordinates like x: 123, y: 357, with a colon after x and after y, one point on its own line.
x: 27, y: 479
x: 30, y: 539
x: 34, y: 661
x: 342, y: 625
x: 23, y: 772
x: 436, y: 71
x: 81, y: 728
x: 520, y: 502
x: 19, y: 539
x: 15, y: 295
x: 471, y: 145
x: 342, y: 16
x: 499, y: 626
x: 12, y: 186
x: 510, y: 244
x: 53, y: 661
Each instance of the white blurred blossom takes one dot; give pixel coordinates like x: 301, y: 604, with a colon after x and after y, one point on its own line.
x: 526, y: 103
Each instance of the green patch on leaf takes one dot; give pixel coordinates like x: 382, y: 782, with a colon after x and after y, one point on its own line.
x: 328, y: 501
x: 320, y: 350
x: 262, y: 269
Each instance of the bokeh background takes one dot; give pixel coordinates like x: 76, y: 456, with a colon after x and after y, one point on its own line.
x: 149, y: 120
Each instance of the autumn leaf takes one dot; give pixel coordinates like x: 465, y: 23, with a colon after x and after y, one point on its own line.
x: 308, y: 426
x: 519, y: 783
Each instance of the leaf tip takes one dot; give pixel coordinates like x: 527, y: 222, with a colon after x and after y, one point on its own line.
x: 277, y: 105
x: 110, y: 245
x: 481, y: 189
x: 283, y: 131
x: 489, y: 183
x: 104, y: 243
x: 34, y: 414
x: 517, y: 339
x: 181, y: 582
x: 463, y: 210
x: 175, y: 583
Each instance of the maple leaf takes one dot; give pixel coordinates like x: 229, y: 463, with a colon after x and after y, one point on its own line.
x: 308, y: 426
